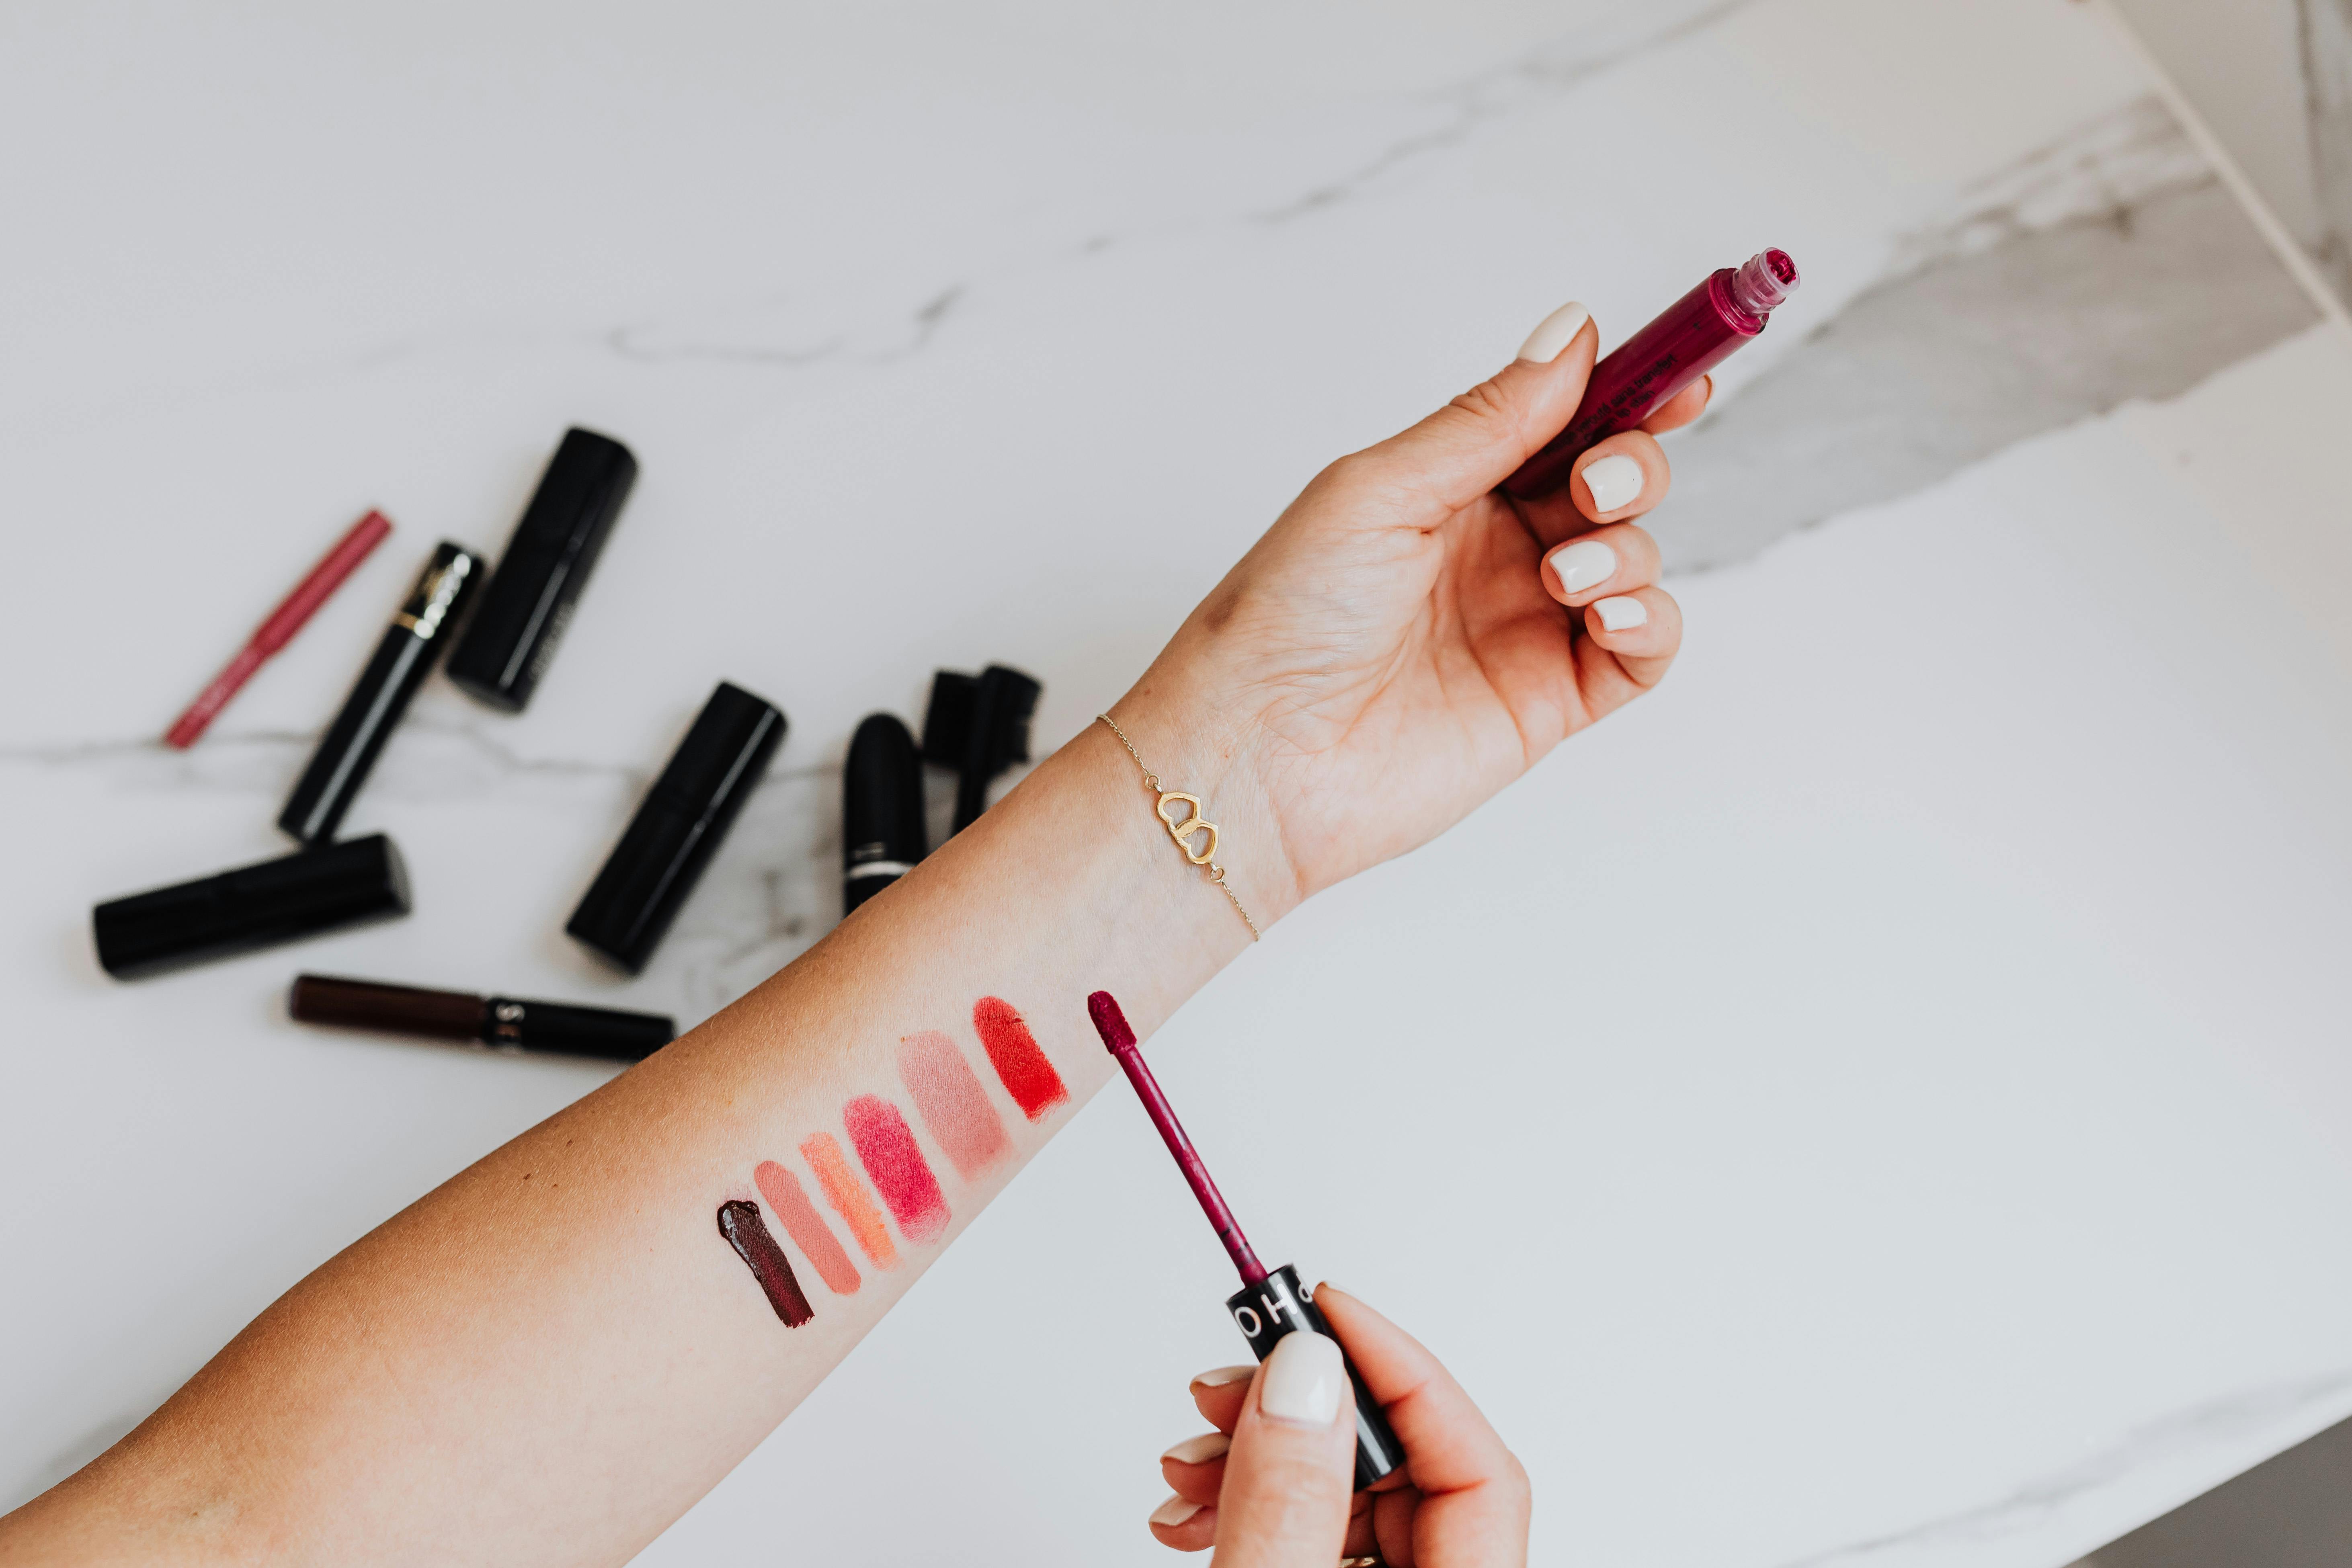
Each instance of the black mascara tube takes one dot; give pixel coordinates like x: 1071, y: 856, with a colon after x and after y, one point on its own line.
x: 402, y: 659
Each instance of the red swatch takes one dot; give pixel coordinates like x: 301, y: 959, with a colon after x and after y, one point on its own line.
x: 1020, y: 1064
x: 807, y: 1227
x: 951, y: 1101
x: 896, y: 1166
x: 740, y: 1224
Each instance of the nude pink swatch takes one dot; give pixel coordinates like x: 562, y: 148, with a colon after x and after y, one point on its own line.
x: 895, y: 1165
x: 951, y: 1101
x: 806, y: 1227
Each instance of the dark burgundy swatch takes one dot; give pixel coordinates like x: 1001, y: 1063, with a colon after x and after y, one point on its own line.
x: 746, y: 1233
x: 1021, y: 1066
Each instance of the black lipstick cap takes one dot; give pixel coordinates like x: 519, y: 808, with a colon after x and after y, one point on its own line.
x: 882, y: 830
x: 401, y: 661
x: 1278, y: 1306
x: 679, y: 828
x: 304, y: 894
x: 530, y: 597
x: 979, y: 725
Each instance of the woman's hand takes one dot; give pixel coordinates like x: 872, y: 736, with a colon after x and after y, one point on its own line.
x: 1270, y: 1488
x: 1406, y: 640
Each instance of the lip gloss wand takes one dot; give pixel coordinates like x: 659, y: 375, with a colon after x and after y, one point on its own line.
x: 1271, y: 1303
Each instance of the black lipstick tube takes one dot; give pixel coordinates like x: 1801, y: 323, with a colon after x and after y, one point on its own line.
x: 979, y: 725
x: 349, y: 748
x: 501, y: 1023
x: 529, y: 599
x: 679, y: 828
x: 306, y: 893
x: 882, y: 831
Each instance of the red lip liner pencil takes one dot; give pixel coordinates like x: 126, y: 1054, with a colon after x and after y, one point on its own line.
x: 275, y: 633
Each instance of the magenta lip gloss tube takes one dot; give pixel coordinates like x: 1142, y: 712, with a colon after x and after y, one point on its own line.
x: 1691, y: 337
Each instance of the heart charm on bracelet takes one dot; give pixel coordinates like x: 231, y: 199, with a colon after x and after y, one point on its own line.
x: 1191, y: 823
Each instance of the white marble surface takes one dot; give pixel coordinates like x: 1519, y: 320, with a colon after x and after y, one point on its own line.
x: 1895, y: 1106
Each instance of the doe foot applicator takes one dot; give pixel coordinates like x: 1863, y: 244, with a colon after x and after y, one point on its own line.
x: 1271, y: 1303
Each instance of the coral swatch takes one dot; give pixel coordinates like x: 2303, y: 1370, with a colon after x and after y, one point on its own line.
x: 806, y: 1227
x: 849, y: 1200
x: 740, y: 1224
x: 951, y: 1101
x: 897, y: 1166
x: 1027, y: 1076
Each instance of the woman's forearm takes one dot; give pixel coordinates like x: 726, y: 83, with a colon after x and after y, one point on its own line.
x: 550, y: 1357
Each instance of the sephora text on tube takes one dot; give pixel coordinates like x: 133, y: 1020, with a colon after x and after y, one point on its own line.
x: 1692, y: 336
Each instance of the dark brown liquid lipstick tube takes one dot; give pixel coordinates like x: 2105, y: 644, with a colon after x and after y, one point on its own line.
x: 501, y: 1023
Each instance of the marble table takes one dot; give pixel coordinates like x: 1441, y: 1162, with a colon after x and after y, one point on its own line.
x: 1883, y: 1100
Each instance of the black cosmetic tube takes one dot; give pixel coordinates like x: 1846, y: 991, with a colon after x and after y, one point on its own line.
x: 401, y: 661
x: 679, y: 828
x: 979, y: 725
x: 1279, y: 1306
x: 501, y: 1023
x: 529, y: 599
x: 882, y: 830
x: 304, y: 894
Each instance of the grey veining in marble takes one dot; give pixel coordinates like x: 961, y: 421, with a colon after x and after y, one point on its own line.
x: 2109, y: 267
x: 2327, y: 28
x: 2035, y: 1500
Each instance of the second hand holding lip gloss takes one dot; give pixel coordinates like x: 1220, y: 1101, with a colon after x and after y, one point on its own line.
x: 1689, y: 338
x: 1272, y: 1304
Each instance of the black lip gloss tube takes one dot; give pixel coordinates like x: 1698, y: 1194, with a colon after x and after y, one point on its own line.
x: 1279, y: 1306
x: 530, y: 596
x: 882, y: 831
x: 501, y: 1023
x: 372, y: 711
x: 679, y: 828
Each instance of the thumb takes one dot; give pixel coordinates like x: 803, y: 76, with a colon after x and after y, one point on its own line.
x: 1476, y: 441
x: 1290, y: 1473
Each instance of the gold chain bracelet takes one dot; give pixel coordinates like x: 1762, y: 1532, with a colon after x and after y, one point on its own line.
x: 1182, y: 829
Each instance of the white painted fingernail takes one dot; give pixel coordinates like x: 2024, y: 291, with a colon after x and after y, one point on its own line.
x: 1622, y: 615
x: 1614, y: 480
x: 1175, y: 1511
x: 1555, y: 332
x: 1218, y: 1376
x: 1304, y: 1380
x: 1583, y: 564
x: 1199, y: 1450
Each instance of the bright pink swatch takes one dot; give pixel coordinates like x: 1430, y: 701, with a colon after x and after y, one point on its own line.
x: 952, y: 1102
x: 807, y: 1227
x: 1020, y: 1064
x: 896, y: 1166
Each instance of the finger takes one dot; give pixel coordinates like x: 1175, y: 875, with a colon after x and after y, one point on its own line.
x: 1617, y: 558
x: 1186, y: 1525
x: 1363, y: 1538
x: 1643, y: 626
x: 1681, y: 408
x: 1289, y: 1476
x: 1218, y: 1394
x: 1392, y: 1517
x: 1447, y: 1444
x: 1618, y: 478
x: 1475, y: 442
x: 1195, y: 1467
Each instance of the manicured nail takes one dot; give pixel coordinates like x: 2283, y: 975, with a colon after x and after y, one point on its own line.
x: 1199, y: 1450
x: 1218, y: 1376
x: 1583, y: 564
x: 1175, y: 1511
x: 1304, y: 1380
x: 1622, y: 615
x: 1555, y: 332
x: 1614, y: 480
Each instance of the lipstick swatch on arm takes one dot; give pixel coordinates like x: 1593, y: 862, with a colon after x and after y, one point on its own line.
x: 746, y: 1233
x: 896, y: 1165
x: 1021, y: 1066
x: 951, y: 1101
x: 806, y: 1227
x: 848, y: 1199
